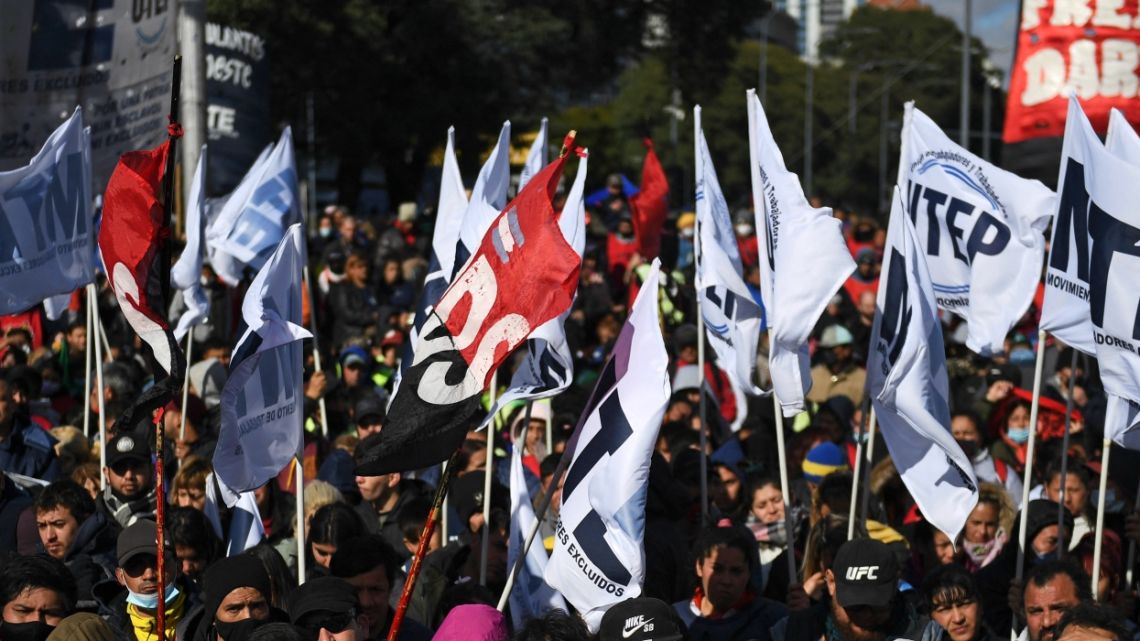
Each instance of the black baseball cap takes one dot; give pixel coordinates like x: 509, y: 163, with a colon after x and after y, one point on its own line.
x: 369, y: 406
x: 141, y: 537
x: 1003, y: 372
x: 322, y: 599
x: 641, y: 619
x: 127, y: 447
x: 866, y: 573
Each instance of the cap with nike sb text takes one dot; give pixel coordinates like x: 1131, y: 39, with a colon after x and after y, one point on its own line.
x: 866, y: 573
x: 641, y: 619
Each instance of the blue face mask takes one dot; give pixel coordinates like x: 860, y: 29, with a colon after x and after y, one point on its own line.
x: 1046, y: 557
x: 150, y: 601
x: 1018, y: 435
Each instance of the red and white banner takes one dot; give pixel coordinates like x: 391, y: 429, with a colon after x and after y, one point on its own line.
x: 1090, y: 48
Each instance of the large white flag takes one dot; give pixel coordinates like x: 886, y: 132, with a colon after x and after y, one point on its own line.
x: 909, y: 385
x: 229, y: 269
x: 536, y: 157
x: 488, y: 198
x: 246, y: 529
x: 253, y: 219
x: 803, y: 260
x: 731, y: 316
x: 599, y: 553
x: 186, y: 273
x: 47, y: 242
x: 261, y: 402
x: 530, y: 596
x: 548, y: 368
x: 981, y: 227
x: 1099, y: 213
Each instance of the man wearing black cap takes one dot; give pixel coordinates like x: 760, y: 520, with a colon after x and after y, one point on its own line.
x: 641, y: 619
x: 327, y: 610
x: 130, y: 602
x: 235, y: 601
x: 865, y: 602
x: 129, y: 495
x: 369, y: 415
x: 371, y: 567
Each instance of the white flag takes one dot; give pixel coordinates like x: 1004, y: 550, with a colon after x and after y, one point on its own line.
x: 1121, y: 140
x: 488, y: 198
x: 909, y: 385
x: 246, y: 529
x: 982, y: 229
x: 731, y: 316
x: 536, y: 157
x: 186, y: 273
x: 262, y: 400
x: 530, y: 596
x: 803, y: 260
x: 548, y: 368
x: 1098, y: 213
x: 229, y: 269
x: 599, y: 553
x: 47, y: 239
x: 253, y: 219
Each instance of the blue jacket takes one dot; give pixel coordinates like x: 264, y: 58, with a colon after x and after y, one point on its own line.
x: 30, y: 451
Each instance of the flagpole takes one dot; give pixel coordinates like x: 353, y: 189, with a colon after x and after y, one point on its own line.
x: 550, y: 430
x: 421, y: 549
x: 701, y: 340
x: 485, y: 540
x: 1064, y: 457
x: 316, y: 351
x: 1106, y: 446
x: 186, y: 385
x: 540, y: 513
x: 87, y: 371
x: 97, y: 325
x: 299, y: 495
x: 505, y: 596
x: 871, y: 425
x: 856, y: 473
x: 102, y: 333
x: 785, y: 488
x: 1028, y: 478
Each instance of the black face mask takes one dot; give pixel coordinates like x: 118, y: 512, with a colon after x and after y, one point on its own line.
x: 234, y: 631
x: 34, y: 631
x: 969, y: 447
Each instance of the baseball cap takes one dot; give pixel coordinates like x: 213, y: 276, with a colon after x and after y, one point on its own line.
x: 353, y: 356
x: 834, y: 336
x: 369, y: 406
x: 137, y: 539
x: 320, y: 600
x: 1003, y: 372
x: 641, y: 619
x: 127, y: 447
x: 866, y: 573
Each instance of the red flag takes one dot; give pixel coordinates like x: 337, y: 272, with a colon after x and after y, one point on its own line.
x: 131, y: 240
x: 523, y: 274
x: 650, y: 205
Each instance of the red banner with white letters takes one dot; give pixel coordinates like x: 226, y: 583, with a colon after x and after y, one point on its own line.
x: 1090, y: 47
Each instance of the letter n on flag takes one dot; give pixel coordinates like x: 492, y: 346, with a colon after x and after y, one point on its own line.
x: 522, y: 275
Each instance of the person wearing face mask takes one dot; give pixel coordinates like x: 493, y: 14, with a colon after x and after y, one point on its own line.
x: 746, y: 241
x: 964, y: 427
x: 36, y: 593
x: 1013, y: 435
x: 236, y: 592
x: 130, y: 601
x: 686, y: 230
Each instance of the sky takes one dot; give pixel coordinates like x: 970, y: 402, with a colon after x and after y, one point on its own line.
x: 994, y: 22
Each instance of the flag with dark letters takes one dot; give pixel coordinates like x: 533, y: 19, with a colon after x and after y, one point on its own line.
x: 522, y: 275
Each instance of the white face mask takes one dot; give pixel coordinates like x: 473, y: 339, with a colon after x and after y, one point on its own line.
x: 687, y: 232
x: 744, y: 229
x: 150, y: 601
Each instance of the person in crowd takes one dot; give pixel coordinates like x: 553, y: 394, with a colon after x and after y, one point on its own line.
x: 837, y: 373
x: 235, y: 601
x: 14, y: 502
x: 130, y: 601
x: 82, y: 626
x: 129, y: 495
x: 1090, y: 622
x: 1076, y: 497
x: 474, y: 622
x: 352, y: 303
x: 1012, y: 445
x: 766, y: 520
x: 953, y: 600
x: 371, y: 567
x: 332, y: 525
x: 326, y: 608
x: 36, y: 594
x: 724, y: 604
x: 25, y: 448
x: 188, y: 489
x: 195, y: 545
x: 369, y: 415
x: 966, y: 429
x: 1051, y: 589
x: 412, y: 518
x: 987, y: 527
x: 639, y: 619
x: 865, y: 278
x: 277, y: 510
x: 393, y: 290
x: 73, y: 531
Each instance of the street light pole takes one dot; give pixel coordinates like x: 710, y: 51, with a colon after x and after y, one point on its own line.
x: 809, y: 90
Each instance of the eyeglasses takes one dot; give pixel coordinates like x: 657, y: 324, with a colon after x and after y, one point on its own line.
x: 334, y: 623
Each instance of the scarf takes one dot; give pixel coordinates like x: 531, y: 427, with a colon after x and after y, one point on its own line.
x: 127, y: 512
x: 979, y: 555
x: 143, y: 621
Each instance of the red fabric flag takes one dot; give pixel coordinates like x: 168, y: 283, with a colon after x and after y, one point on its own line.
x: 650, y: 205
x: 130, y: 241
x: 523, y: 274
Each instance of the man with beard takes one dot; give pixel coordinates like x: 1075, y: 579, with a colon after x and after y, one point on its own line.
x: 72, y: 531
x: 36, y: 593
x: 725, y: 605
x: 1051, y: 589
x: 129, y: 495
x: 130, y: 601
x: 370, y: 566
x: 865, y: 602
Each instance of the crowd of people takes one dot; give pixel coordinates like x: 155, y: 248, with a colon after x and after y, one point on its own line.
x: 80, y: 559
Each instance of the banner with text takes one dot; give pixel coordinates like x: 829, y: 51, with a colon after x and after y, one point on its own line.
x: 237, y: 103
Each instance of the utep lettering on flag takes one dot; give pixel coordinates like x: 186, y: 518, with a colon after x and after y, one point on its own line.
x: 131, y: 242
x: 522, y: 275
x: 46, y: 227
x: 599, y: 553
x: 548, y: 368
x: 982, y: 229
x: 253, y: 219
x: 186, y: 273
x: 261, y: 402
x: 448, y: 219
x: 909, y: 385
x: 732, y: 318
x: 803, y: 260
x: 650, y: 204
x: 1099, y: 216
x: 530, y: 596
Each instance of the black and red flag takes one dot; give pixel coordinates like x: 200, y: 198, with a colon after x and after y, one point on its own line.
x: 523, y: 274
x: 650, y: 204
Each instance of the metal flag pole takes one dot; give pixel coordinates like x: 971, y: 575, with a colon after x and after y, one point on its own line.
x: 1064, y: 456
x: 871, y: 425
x: 316, y: 349
x: 785, y: 488
x: 856, y: 473
x: 1028, y: 480
x: 485, y: 539
x: 703, y: 406
x: 186, y: 385
x: 299, y: 495
x: 87, y: 371
x: 1105, y: 448
x: 99, y: 401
